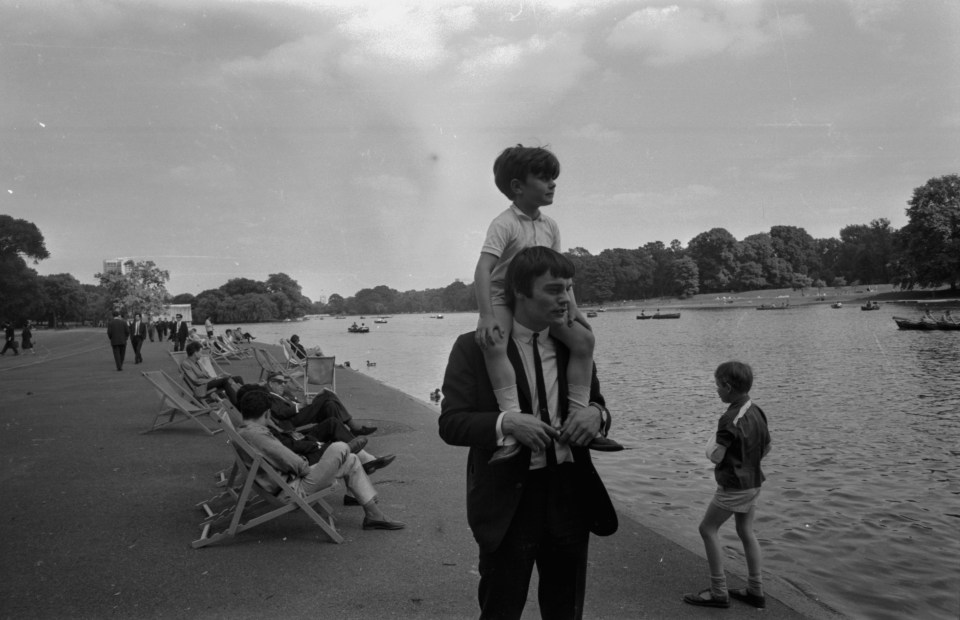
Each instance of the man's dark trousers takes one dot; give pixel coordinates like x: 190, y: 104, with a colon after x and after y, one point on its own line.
x: 119, y: 352
x: 548, y: 530
x: 137, y: 342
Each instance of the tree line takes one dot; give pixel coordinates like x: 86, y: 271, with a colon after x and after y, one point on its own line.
x: 923, y: 254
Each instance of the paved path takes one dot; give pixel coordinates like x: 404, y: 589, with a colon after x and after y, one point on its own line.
x: 98, y: 519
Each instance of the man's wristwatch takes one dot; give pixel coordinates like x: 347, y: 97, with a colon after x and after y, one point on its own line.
x: 604, y: 417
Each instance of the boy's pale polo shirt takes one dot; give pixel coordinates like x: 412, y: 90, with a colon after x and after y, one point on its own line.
x: 512, y: 231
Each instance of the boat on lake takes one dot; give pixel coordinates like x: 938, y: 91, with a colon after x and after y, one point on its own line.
x: 591, y: 314
x: 870, y: 305
x: 905, y: 323
x: 666, y: 315
x: 358, y: 329
x: 783, y: 306
x: 836, y: 304
x: 380, y: 320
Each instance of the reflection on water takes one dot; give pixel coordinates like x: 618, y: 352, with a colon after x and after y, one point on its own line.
x: 861, y: 508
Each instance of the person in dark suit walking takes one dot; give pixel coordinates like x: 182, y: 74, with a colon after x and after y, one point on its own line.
x: 118, y: 331
x: 539, y: 507
x: 138, y: 333
x: 179, y: 333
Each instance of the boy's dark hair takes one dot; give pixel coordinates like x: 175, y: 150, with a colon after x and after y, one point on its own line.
x: 253, y: 402
x: 531, y: 263
x: 518, y: 161
x: 738, y: 375
x: 193, y: 347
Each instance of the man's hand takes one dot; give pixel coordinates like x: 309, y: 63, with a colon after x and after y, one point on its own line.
x: 529, y: 430
x: 581, y: 427
x: 489, y: 332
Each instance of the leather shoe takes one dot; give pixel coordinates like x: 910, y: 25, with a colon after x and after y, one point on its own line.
x: 742, y: 594
x: 603, y: 444
x: 365, y: 430
x: 385, y: 524
x: 357, y: 444
x: 378, y: 463
x: 350, y: 500
x: 504, y: 453
x: 706, y: 599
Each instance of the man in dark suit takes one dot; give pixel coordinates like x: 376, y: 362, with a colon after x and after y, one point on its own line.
x: 178, y: 333
x: 138, y: 333
x: 118, y: 331
x: 540, y: 506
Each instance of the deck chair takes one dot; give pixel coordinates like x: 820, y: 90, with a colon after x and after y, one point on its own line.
x: 234, y: 349
x: 319, y: 372
x: 293, y: 362
x: 249, y: 504
x: 177, y: 403
x: 268, y: 363
x: 218, y: 348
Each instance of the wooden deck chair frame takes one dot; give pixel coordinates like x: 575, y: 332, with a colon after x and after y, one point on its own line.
x: 293, y: 362
x: 253, y: 505
x: 177, y: 404
x: 242, y: 352
x: 320, y: 371
x: 223, y: 352
x: 211, y: 395
x: 267, y: 362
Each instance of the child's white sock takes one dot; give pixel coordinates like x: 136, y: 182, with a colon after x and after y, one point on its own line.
x: 509, y: 401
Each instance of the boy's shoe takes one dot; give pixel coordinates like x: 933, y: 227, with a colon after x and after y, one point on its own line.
x: 364, y: 430
x: 357, y: 444
x: 378, y: 463
x: 742, y: 594
x: 604, y: 444
x: 504, y: 453
x: 706, y: 599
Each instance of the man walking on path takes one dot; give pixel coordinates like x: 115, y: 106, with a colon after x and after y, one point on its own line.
x: 118, y: 331
x: 138, y: 333
x: 541, y: 506
x: 179, y: 333
x: 11, y: 339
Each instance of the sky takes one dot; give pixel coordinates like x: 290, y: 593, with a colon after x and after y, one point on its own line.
x: 351, y: 144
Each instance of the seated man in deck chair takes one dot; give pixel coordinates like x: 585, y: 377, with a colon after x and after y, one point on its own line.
x: 336, y: 462
x: 311, y: 443
x: 201, y: 381
x: 288, y: 413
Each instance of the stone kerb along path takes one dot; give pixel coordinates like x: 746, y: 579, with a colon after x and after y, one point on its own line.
x: 98, y: 518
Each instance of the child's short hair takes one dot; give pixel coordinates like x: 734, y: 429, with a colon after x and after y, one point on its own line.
x: 254, y: 403
x: 737, y: 374
x: 193, y: 347
x: 531, y: 263
x: 516, y: 162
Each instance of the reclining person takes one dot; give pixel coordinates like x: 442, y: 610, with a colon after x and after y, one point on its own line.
x: 202, y: 381
x: 336, y: 462
x: 300, y: 351
x: 312, y: 442
x: 289, y: 414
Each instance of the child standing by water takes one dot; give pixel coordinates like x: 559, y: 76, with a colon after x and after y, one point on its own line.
x: 742, y: 440
x: 527, y: 177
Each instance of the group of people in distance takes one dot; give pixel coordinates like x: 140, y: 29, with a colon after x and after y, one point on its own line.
x: 10, y: 339
x: 523, y: 394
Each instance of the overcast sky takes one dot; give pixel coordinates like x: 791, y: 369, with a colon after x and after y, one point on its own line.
x: 350, y: 144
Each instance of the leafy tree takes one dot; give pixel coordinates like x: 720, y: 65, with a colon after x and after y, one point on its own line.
x: 19, y: 285
x: 930, y: 241
x: 142, y: 289
x: 796, y: 247
x: 243, y: 286
x: 686, y: 277
x: 335, y: 304
x: 713, y: 252
x: 206, y: 305
x: 63, y: 298
x: 184, y: 298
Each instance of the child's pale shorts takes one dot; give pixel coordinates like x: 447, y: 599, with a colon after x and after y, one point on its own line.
x: 736, y: 500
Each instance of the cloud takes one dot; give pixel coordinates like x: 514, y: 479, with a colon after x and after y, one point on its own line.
x: 676, y: 34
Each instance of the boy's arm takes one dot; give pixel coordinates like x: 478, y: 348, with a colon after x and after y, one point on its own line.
x: 489, y: 332
x: 574, y: 314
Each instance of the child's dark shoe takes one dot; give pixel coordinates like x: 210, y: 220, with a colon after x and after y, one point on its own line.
x: 705, y: 599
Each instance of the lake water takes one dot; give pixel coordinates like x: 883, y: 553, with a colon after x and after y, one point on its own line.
x: 861, y: 508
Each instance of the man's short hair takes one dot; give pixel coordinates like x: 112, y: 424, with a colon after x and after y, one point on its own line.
x: 516, y: 162
x: 737, y: 375
x: 179, y: 316
x: 253, y: 403
x: 193, y: 346
x: 246, y: 388
x: 531, y: 263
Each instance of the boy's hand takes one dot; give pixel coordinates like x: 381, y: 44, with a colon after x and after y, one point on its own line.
x: 489, y: 332
x: 576, y: 317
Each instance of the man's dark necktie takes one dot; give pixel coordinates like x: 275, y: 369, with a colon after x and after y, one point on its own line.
x: 542, y: 398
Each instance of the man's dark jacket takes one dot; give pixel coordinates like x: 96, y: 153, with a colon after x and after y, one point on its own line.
x: 468, y: 417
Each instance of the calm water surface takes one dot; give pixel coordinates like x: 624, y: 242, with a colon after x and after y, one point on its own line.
x: 861, y: 508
